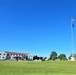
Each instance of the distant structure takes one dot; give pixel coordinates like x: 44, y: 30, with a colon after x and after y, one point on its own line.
x: 5, y: 55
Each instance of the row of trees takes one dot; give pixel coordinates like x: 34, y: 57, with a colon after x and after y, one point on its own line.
x: 53, y: 56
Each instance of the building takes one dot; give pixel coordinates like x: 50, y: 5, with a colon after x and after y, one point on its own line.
x: 5, y: 55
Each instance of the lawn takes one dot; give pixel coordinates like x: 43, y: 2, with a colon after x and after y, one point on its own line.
x: 38, y: 68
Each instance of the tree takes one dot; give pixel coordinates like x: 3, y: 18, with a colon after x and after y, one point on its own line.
x: 41, y: 58
x: 62, y: 57
x: 53, y: 55
x: 36, y: 58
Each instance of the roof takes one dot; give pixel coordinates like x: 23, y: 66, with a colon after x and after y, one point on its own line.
x: 16, y: 53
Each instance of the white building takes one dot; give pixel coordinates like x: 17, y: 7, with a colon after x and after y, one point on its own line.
x: 14, y: 56
x: 3, y: 55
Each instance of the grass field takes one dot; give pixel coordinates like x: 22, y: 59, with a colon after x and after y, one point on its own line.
x: 38, y: 68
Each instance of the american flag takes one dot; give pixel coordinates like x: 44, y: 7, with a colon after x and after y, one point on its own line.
x: 73, y: 20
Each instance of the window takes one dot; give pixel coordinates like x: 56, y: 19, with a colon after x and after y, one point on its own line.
x: 3, y: 54
x: 3, y: 57
x: 0, y: 53
x: 7, y: 54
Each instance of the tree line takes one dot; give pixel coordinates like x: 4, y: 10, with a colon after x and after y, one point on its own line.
x: 53, y: 56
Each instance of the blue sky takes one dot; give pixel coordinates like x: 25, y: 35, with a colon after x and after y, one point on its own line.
x: 37, y: 27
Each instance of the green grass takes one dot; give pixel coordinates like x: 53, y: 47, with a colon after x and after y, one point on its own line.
x: 38, y: 68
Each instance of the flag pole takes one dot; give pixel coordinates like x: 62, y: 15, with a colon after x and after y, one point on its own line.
x: 72, y: 36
